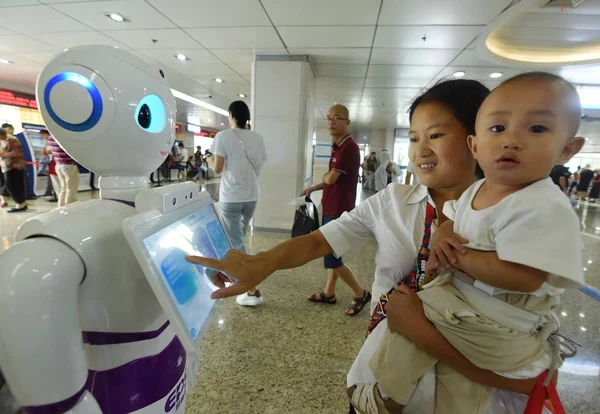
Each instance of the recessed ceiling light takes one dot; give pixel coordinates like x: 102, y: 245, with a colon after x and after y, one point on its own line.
x: 495, y: 75
x: 117, y: 17
x: 219, y: 80
x: 181, y: 56
x: 6, y: 62
x: 459, y: 74
x: 222, y: 124
x: 241, y: 95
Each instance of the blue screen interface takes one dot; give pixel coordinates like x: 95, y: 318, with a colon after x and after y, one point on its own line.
x: 198, y: 234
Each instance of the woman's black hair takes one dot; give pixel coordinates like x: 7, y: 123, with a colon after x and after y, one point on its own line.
x: 462, y: 97
x: 240, y: 112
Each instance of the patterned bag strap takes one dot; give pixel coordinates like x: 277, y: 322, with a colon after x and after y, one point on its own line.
x: 416, y: 278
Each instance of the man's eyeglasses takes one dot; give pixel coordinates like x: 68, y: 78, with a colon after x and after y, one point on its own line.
x: 335, y: 118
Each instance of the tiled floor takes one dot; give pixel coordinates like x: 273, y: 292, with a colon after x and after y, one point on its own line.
x: 292, y: 356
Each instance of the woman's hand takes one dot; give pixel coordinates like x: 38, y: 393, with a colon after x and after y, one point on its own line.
x: 405, y: 315
x: 444, y: 244
x: 245, y: 270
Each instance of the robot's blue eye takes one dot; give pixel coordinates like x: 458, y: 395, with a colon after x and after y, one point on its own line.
x: 150, y: 114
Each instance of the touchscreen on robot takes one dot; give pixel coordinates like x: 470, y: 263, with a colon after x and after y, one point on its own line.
x: 80, y: 328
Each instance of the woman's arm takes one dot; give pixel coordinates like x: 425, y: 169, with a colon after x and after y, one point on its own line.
x: 342, y: 235
x: 405, y: 316
x: 252, y: 270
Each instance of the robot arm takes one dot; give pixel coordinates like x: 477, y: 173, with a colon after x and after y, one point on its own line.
x: 41, y: 347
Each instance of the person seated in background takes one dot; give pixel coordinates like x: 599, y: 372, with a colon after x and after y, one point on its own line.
x: 192, y: 171
x: 508, y: 257
x: 200, y: 171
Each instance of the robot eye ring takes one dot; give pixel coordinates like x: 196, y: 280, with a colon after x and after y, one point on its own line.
x: 94, y: 94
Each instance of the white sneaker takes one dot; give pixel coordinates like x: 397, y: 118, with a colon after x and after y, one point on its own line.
x: 250, y: 300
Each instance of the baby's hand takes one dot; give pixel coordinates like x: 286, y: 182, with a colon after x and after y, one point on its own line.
x: 444, y: 243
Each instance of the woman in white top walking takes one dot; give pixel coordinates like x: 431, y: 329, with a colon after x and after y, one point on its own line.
x: 239, y: 154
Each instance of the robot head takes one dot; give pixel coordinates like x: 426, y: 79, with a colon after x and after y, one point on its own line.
x: 109, y: 110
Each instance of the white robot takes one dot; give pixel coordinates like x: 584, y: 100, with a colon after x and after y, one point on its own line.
x: 80, y: 329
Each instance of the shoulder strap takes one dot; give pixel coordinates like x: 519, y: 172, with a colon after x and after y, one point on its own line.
x: 245, y: 153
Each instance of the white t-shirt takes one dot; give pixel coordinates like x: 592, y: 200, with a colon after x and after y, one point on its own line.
x: 395, y: 217
x: 535, y: 227
x: 239, y: 179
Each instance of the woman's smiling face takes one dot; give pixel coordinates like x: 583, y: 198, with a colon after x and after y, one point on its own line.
x: 438, y: 148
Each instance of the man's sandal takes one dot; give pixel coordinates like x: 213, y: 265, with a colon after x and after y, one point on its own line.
x: 358, y: 303
x: 320, y: 297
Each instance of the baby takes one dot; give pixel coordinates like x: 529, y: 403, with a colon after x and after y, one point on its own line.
x: 524, y: 247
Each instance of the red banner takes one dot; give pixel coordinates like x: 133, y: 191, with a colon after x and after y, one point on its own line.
x: 19, y: 99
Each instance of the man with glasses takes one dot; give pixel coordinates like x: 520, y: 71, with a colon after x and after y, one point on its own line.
x: 339, y: 196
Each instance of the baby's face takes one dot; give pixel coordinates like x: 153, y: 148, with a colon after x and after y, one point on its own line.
x: 521, y: 131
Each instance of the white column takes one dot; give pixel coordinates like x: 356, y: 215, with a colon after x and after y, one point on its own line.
x: 281, y: 104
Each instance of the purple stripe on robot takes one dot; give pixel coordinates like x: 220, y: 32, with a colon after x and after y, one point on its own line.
x: 114, y: 338
x: 141, y: 382
x: 58, y: 407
